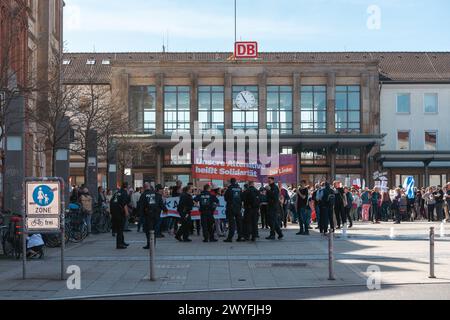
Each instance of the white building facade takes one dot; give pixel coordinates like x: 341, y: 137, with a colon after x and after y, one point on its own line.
x: 415, y: 117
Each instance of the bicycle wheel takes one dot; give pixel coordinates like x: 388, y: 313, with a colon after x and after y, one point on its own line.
x: 78, y: 233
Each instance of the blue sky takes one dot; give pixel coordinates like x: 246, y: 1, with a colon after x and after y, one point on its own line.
x: 278, y: 25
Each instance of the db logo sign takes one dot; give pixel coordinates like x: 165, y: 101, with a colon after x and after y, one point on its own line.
x: 246, y: 50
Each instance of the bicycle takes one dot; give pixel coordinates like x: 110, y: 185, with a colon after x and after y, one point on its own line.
x: 76, y: 227
x: 54, y: 240
x: 11, y: 237
x: 101, y: 221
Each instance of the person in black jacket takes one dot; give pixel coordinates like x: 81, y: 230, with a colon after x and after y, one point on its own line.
x: 263, y: 208
x: 251, y: 206
x: 119, y: 212
x: 184, y: 209
x: 233, y: 198
x: 208, y: 204
x: 325, y: 198
x: 274, y: 209
x: 151, y: 204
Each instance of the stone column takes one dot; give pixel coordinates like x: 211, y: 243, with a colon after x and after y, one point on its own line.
x: 331, y: 103
x: 159, y: 165
x: 92, y: 168
x: 62, y: 158
x: 296, y: 88
x: 374, y: 88
x: 299, y: 165
x: 332, y: 154
x: 262, y: 108
x: 228, y: 101
x: 160, y: 104
x: 14, y: 166
x: 194, y: 100
x: 365, y: 104
x: 427, y: 173
x: 112, y: 165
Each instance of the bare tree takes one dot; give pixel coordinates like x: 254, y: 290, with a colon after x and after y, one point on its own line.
x: 50, y: 127
x: 96, y: 110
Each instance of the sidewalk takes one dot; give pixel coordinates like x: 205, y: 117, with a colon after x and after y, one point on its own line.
x: 296, y: 261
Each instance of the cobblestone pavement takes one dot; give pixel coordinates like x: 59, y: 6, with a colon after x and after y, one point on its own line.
x: 294, y: 262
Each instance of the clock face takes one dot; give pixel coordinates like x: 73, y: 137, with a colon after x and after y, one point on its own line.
x: 246, y: 100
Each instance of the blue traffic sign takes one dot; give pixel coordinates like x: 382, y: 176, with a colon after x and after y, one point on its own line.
x: 43, y: 196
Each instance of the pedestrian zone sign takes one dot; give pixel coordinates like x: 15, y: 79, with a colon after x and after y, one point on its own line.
x: 43, y: 205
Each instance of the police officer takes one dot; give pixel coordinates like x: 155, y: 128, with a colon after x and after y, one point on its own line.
x: 208, y: 204
x: 119, y: 212
x: 274, y: 209
x: 251, y: 205
x: 151, y: 204
x: 184, y: 209
x: 233, y: 198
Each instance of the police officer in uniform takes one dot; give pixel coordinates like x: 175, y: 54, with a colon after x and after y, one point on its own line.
x: 151, y: 204
x: 274, y: 209
x: 208, y: 204
x: 233, y: 198
x: 119, y: 212
x: 251, y: 205
x: 184, y: 209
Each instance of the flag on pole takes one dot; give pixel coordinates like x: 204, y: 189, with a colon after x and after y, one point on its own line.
x: 408, y: 185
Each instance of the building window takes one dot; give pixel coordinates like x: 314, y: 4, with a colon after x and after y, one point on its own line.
x: 403, y: 142
x: 176, y: 160
x: 317, y: 157
x: 431, y: 103
x: 143, y: 99
x: 106, y: 62
x: 348, y: 109
x: 430, y: 140
x: 90, y: 62
x: 287, y: 150
x: 314, y: 109
x: 211, y: 101
x: 66, y: 62
x: 348, y: 157
x: 177, y: 105
x: 245, y: 119
x: 279, y: 108
x: 171, y: 180
x: 403, y: 103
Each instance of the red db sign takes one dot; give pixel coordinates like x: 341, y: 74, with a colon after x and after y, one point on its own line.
x: 246, y: 50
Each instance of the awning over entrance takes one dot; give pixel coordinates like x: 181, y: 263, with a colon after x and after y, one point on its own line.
x: 413, y: 156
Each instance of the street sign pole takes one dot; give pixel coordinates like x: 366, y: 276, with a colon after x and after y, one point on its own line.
x: 44, y: 205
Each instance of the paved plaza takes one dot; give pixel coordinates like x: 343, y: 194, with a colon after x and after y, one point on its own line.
x: 226, y: 270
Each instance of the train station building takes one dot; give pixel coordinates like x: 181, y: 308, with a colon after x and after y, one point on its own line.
x: 325, y: 105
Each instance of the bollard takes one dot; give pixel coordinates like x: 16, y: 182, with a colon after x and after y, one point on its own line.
x: 152, y: 256
x: 432, y: 275
x: 392, y: 234
x: 331, y: 255
x: 344, y: 231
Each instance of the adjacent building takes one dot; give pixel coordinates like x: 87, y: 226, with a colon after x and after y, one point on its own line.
x: 415, y: 116
x: 30, y: 38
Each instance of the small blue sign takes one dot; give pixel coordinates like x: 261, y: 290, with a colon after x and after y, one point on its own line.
x: 43, y: 196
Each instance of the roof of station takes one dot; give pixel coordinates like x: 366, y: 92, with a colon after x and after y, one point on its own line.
x: 407, y: 67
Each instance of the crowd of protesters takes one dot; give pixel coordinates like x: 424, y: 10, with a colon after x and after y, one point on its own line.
x: 331, y: 205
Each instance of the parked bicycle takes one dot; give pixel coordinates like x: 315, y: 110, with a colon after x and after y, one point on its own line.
x: 101, y: 221
x: 11, y: 235
x: 76, y: 227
